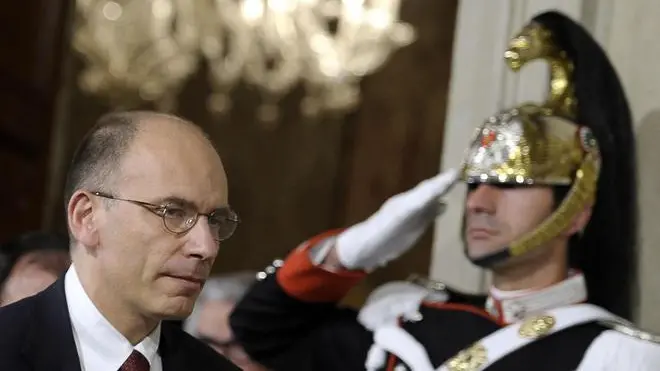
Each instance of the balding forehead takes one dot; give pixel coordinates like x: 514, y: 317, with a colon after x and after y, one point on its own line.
x: 174, y: 139
x: 169, y: 124
x: 174, y: 158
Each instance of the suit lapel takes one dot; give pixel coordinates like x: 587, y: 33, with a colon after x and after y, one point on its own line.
x: 49, y: 343
x: 170, y: 352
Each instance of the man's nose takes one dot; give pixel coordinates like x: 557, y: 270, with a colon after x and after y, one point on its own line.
x: 482, y: 199
x: 202, y: 243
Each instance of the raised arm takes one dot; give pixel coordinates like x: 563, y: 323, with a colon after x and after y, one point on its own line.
x: 290, y: 319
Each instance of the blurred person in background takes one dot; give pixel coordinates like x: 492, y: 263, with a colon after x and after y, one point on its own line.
x: 209, y: 321
x: 31, y: 262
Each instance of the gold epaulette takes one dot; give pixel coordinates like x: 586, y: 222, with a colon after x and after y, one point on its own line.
x: 426, y: 282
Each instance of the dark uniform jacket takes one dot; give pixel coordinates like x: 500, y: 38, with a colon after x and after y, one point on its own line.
x: 290, y: 321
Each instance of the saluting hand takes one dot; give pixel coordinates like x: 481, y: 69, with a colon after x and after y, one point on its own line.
x: 395, y: 227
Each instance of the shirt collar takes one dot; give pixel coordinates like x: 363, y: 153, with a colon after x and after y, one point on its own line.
x: 510, y: 307
x: 99, y: 343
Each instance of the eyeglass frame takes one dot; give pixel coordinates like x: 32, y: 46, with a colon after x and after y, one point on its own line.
x: 159, y: 210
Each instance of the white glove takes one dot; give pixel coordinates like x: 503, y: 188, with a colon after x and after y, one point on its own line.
x: 396, y: 226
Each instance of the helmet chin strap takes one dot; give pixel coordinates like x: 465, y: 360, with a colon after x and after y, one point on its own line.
x: 489, y: 260
x: 581, y: 194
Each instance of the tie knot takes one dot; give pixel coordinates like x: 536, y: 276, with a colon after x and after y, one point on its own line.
x: 135, y: 362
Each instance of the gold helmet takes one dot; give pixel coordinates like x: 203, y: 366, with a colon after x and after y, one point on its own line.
x: 538, y: 144
x: 573, y: 139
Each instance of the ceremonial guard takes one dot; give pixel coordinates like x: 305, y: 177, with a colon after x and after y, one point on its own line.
x: 550, y: 211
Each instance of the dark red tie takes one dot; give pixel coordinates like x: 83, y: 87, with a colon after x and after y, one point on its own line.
x: 135, y: 362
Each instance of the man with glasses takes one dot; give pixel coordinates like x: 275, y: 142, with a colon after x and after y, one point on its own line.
x: 147, y: 208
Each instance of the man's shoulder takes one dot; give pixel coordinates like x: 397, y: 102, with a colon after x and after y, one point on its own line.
x: 15, y: 320
x: 203, y: 357
x: 16, y: 316
x: 397, y: 300
x: 623, y: 346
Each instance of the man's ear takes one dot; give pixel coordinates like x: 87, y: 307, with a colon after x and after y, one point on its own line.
x: 80, y: 217
x: 580, y: 221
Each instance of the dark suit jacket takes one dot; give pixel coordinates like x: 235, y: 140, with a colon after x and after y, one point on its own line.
x: 36, y: 335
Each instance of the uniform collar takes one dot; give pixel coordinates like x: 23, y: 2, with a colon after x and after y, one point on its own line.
x: 513, y: 306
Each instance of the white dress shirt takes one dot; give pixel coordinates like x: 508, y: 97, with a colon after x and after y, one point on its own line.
x: 100, y: 346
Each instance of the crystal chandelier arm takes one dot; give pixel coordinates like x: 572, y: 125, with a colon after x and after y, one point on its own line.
x: 145, y: 49
x: 274, y: 62
x: 225, y: 42
x: 136, y: 50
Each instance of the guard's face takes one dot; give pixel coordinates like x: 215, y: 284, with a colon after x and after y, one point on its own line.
x: 497, y: 215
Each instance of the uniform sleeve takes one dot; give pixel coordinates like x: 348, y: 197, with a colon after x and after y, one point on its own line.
x: 615, y: 351
x: 290, y: 320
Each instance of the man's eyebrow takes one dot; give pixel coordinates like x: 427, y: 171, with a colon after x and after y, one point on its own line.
x: 179, y: 201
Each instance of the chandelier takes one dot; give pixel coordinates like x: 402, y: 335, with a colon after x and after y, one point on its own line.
x: 140, y: 51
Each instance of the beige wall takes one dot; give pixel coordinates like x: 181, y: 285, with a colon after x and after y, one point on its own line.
x: 631, y: 38
x: 481, y: 84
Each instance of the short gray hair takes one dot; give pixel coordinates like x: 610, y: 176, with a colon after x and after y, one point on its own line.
x: 229, y: 287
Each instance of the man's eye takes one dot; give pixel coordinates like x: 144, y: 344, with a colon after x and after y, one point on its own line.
x: 173, y: 212
x: 216, y: 220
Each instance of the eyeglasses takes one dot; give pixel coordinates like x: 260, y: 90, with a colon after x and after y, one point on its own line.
x: 180, y: 216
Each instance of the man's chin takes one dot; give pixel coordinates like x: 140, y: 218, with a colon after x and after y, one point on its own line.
x: 476, y: 252
x: 178, y: 308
